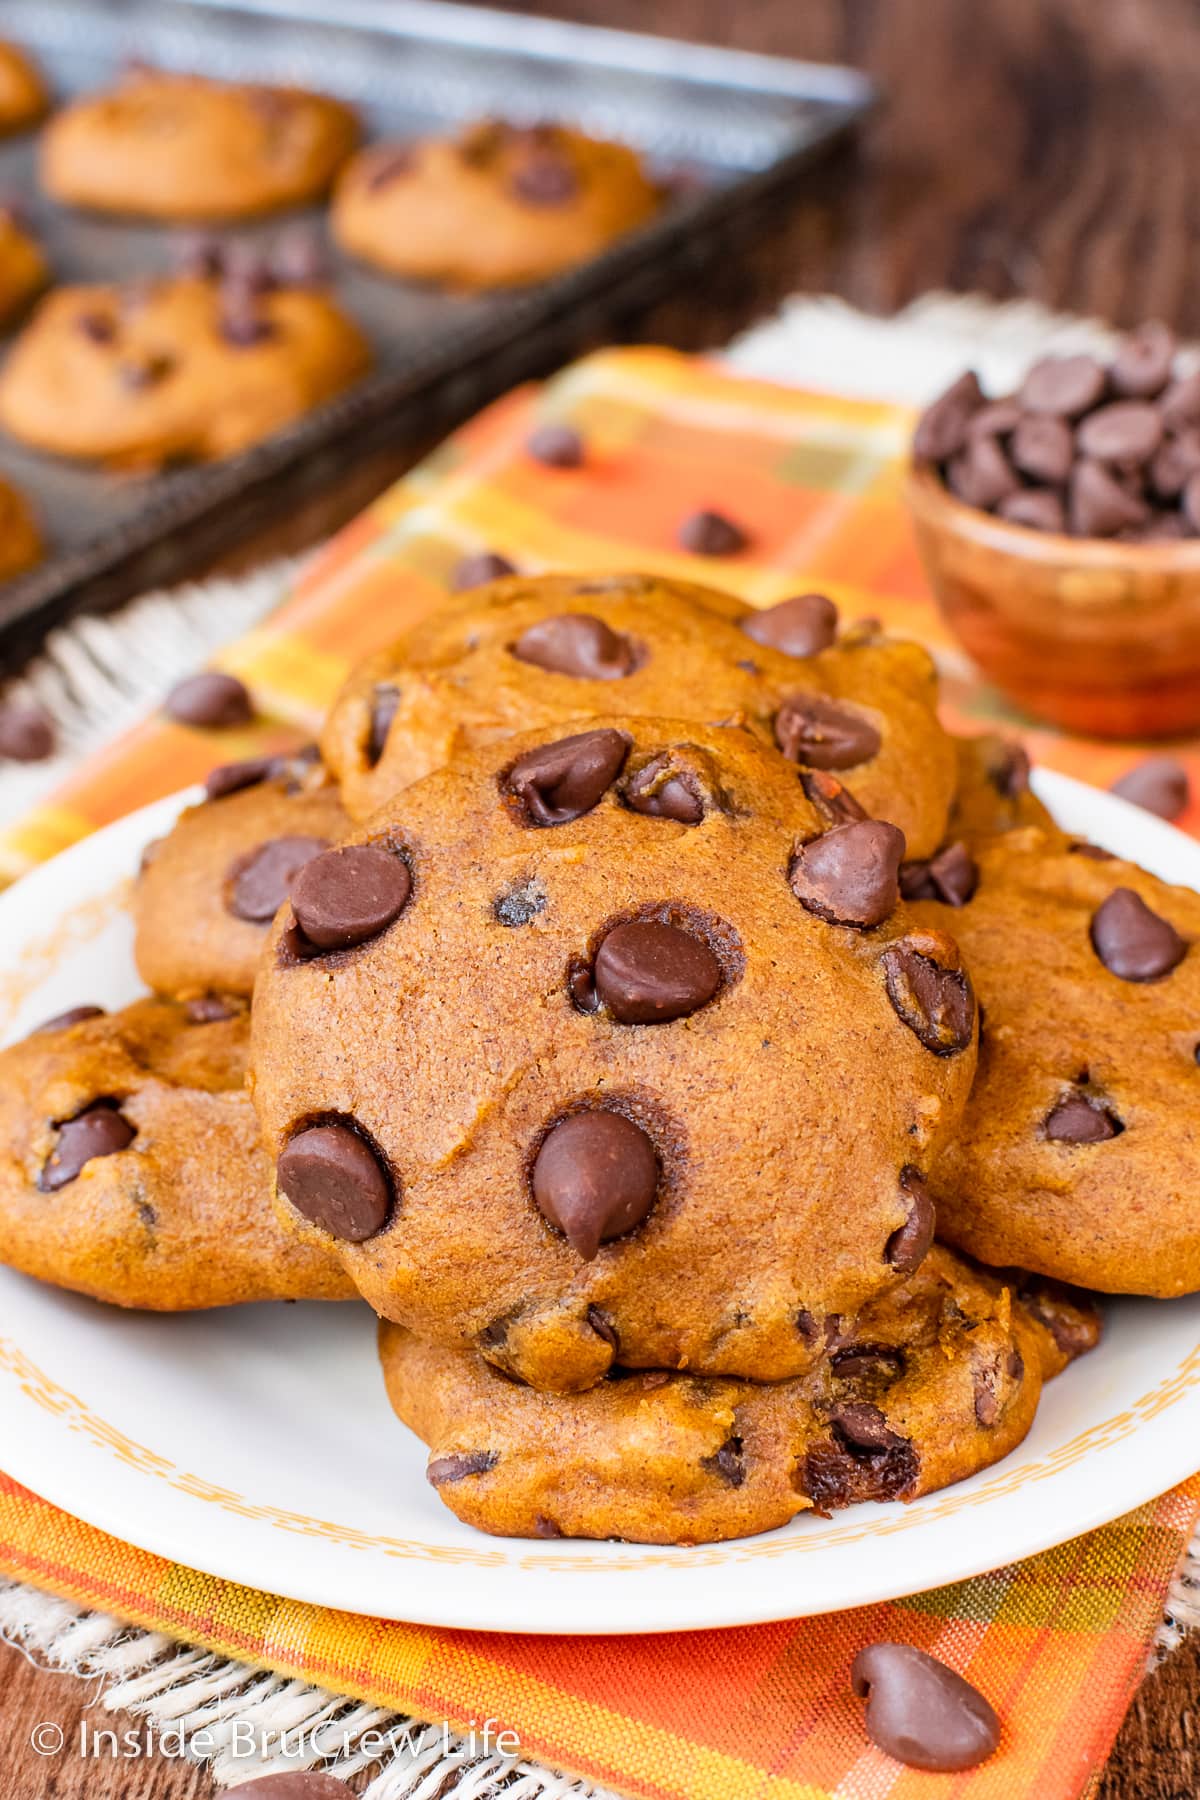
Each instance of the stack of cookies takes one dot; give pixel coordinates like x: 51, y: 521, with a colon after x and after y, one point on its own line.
x: 706, y: 1068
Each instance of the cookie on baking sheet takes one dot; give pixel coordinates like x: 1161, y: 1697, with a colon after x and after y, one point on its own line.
x: 130, y: 1168
x: 20, y: 540
x: 24, y: 271
x: 1079, y: 1155
x: 23, y: 96
x: 495, y: 206
x: 934, y: 1382
x: 523, y: 652
x: 170, y: 146
x: 591, y: 1047
x: 207, y: 891
x: 177, y: 369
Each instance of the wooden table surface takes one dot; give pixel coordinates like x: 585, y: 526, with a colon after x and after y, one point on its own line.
x: 1045, y: 148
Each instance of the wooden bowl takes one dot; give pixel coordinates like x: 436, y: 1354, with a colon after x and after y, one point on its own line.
x: 1101, y: 637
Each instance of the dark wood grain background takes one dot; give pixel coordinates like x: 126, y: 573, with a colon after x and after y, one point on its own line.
x: 1047, y: 148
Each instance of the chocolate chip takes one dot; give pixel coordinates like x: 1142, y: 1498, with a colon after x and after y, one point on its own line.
x: 1038, y: 508
x: 1043, y: 448
x: 863, y: 1427
x: 209, y: 699
x: 445, y: 1469
x: 559, y: 782
x: 648, y: 972
x: 1097, y: 504
x: 981, y: 475
x: 921, y: 1712
x: 546, y: 179
x: 208, y: 1009
x: 802, y: 626
x: 1094, y: 852
x: 1174, y: 465
x: 1132, y: 942
x: 1007, y: 768
x: 1141, y: 368
x: 595, y: 1177
x: 603, y: 1327
x: 662, y: 794
x: 199, y: 256
x: 546, y: 1528
x: 259, y: 881
x: 1180, y: 405
x: 242, y: 323
x: 297, y: 1784
x: 951, y: 877
x: 910, y: 1243
x: 824, y: 734
x: 138, y: 373
x: 388, y: 165
x: 827, y: 795
x: 1160, y: 528
x: 942, y: 428
x: 558, y: 446
x: 1128, y: 431
x: 96, y: 327
x: 576, y: 644
x: 100, y: 1130
x: 1064, y: 386
x: 1077, y: 1120
x: 707, y: 533
x: 384, y: 701
x: 1160, y: 785
x: 849, y: 876
x: 996, y: 418
x: 334, y: 1179
x: 520, y: 904
x: 1190, y: 501
x: 936, y: 1004
x: 840, y: 1473
x: 344, y: 897
x: 728, y: 1463
x: 232, y: 778
x: 74, y: 1015
x: 477, y: 570
x: 27, y: 732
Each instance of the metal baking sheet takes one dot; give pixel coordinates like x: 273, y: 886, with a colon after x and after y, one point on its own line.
x: 735, y: 124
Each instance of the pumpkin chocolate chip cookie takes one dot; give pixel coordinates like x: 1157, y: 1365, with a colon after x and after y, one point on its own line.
x: 20, y: 539
x: 208, y: 890
x: 171, y: 146
x: 130, y: 1168
x: 23, y: 97
x: 178, y: 369
x: 1081, y: 1141
x: 23, y: 268
x: 933, y: 1382
x: 496, y: 206
x: 524, y: 652
x: 594, y: 1046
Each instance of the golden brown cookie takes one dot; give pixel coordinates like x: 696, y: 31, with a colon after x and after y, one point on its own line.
x: 23, y: 97
x: 20, y: 539
x: 1080, y: 1150
x: 130, y: 1167
x: 209, y: 889
x: 23, y: 268
x: 526, y: 652
x: 936, y: 1381
x: 569, y: 1057
x: 496, y: 206
x: 170, y: 146
x: 173, y: 369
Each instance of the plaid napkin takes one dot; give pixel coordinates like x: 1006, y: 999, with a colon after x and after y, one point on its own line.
x: 1057, y: 1643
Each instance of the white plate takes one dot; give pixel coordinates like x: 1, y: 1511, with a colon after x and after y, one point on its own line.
x: 256, y: 1443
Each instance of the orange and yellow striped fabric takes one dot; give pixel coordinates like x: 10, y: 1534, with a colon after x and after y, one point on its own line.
x: 1057, y: 1643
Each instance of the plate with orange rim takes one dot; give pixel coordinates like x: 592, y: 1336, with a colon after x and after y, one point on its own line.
x: 257, y: 1445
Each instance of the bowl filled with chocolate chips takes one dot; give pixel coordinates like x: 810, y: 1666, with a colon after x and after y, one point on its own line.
x: 1060, y: 530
